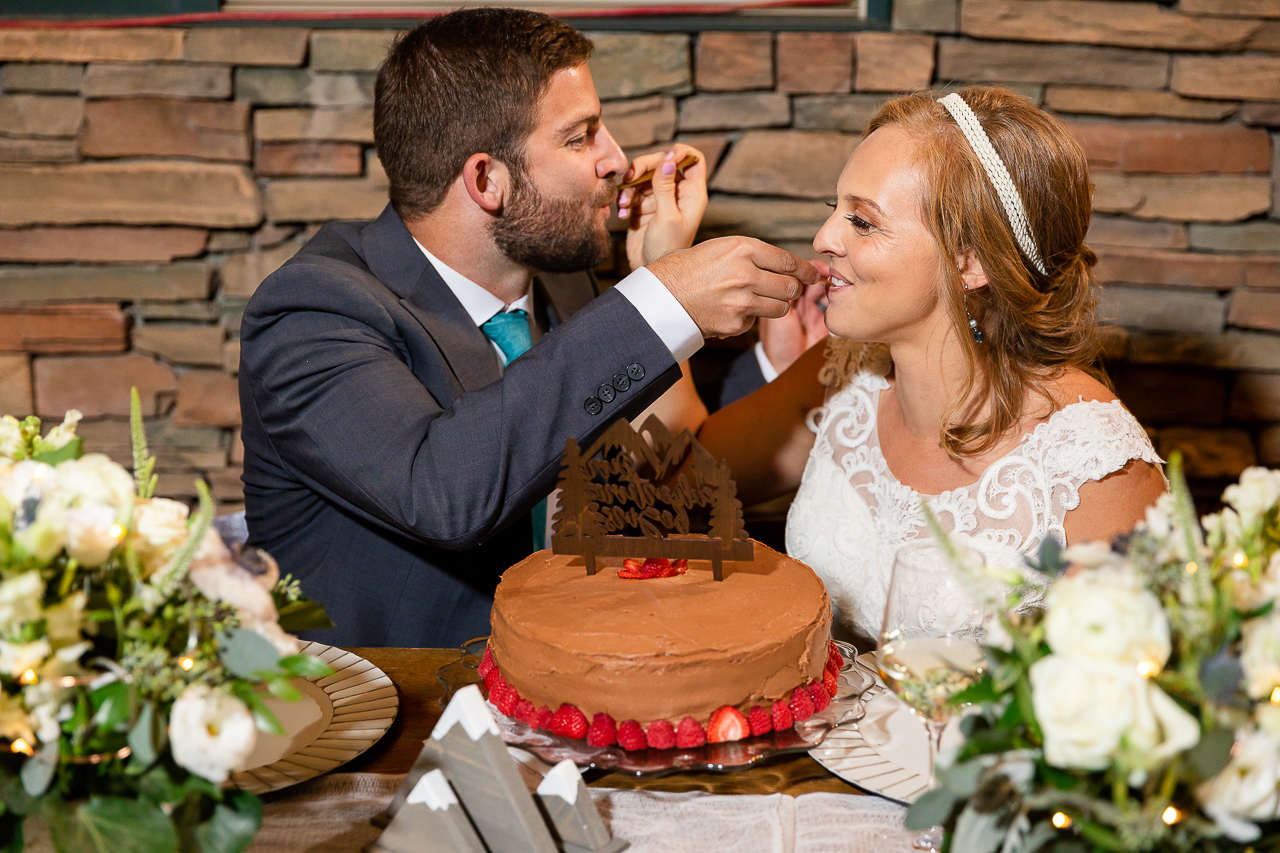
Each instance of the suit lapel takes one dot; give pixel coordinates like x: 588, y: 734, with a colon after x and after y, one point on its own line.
x: 396, y: 260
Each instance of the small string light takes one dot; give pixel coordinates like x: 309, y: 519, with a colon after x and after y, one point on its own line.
x: 21, y: 745
x: 116, y: 531
x: 29, y: 677
x: 186, y: 663
x: 1148, y: 668
x: 1240, y: 560
x: 1171, y: 816
x: 1275, y: 696
x: 1192, y: 567
x: 1061, y: 820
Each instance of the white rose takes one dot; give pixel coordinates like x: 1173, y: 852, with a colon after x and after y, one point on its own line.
x: 1161, y: 728
x: 1247, y: 789
x: 43, y: 537
x: 211, y: 732
x: 63, y: 621
x: 92, y: 533
x: 1257, y: 491
x: 1268, y: 716
x: 20, y: 598
x: 1105, y: 615
x: 1247, y: 594
x: 10, y: 437
x: 159, y: 528
x: 227, y: 582
x: 1222, y: 529
x: 1260, y: 654
x: 1084, y: 709
x: 1093, y: 555
x: 1159, y: 517
x: 27, y: 481
x: 65, y: 432
x: 17, y: 658
x: 95, y: 479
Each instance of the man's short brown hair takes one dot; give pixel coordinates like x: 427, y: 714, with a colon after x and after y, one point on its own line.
x: 464, y: 83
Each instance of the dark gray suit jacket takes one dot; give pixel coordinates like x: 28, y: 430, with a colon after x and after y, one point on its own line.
x: 388, y: 464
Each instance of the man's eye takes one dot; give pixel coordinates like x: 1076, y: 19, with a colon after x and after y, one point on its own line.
x: 578, y: 140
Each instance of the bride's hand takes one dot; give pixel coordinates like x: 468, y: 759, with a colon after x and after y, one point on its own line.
x: 664, y: 214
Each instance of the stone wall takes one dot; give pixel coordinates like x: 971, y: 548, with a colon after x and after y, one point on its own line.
x: 150, y: 179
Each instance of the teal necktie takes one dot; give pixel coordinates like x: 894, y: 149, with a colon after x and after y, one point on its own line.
x: 510, y: 331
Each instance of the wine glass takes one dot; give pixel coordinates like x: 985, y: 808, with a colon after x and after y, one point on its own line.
x: 930, y: 645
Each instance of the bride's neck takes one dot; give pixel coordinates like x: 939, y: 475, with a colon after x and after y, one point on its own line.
x: 925, y: 378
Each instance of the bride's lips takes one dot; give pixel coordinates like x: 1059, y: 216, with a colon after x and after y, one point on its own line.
x: 835, y: 281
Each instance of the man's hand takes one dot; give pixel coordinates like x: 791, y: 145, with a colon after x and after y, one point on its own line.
x: 726, y: 283
x: 664, y: 214
x: 787, y: 338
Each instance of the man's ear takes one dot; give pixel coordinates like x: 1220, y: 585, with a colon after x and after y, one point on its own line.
x: 971, y: 271
x: 487, y: 181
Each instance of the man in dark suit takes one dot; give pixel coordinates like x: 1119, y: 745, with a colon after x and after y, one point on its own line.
x: 398, y: 437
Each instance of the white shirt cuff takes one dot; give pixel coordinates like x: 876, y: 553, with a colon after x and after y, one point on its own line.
x: 766, y: 366
x: 663, y: 312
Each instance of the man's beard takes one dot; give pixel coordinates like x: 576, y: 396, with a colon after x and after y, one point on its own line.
x: 552, y: 234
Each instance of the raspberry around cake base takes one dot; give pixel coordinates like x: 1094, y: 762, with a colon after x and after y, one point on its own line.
x: 662, y: 648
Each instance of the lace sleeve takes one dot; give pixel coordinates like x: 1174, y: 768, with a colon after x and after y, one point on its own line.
x: 1088, y: 440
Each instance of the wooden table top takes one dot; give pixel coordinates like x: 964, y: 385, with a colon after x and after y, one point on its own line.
x: 414, y: 674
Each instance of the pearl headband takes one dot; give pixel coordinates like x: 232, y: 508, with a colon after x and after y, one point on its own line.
x: 999, y: 175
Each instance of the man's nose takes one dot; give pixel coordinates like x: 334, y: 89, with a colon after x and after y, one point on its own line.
x: 613, y: 160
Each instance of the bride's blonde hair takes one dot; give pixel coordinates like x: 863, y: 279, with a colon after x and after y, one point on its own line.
x: 1034, y: 325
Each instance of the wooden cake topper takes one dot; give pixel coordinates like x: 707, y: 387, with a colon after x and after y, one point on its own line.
x: 628, y: 497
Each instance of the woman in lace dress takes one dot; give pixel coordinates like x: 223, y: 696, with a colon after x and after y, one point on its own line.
x: 961, y: 368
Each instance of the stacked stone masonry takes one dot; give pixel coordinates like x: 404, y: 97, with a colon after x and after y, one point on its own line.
x: 150, y: 178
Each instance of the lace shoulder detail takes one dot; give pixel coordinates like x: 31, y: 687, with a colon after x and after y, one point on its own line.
x: 1088, y: 440
x: 846, y: 357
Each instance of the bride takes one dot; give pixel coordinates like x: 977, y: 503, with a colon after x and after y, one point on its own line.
x: 962, y: 367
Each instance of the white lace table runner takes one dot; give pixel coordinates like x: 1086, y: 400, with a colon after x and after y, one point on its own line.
x: 331, y: 815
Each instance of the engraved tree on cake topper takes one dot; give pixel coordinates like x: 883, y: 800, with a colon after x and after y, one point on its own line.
x: 641, y: 494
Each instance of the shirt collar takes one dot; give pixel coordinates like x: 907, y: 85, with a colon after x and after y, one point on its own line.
x: 479, y: 303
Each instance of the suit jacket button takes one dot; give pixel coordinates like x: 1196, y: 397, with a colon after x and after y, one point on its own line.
x: 593, y: 406
x: 636, y: 371
x: 621, y: 382
x: 606, y: 393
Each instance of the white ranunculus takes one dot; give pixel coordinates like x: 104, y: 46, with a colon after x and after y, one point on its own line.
x: 1084, y: 709
x: 65, y: 432
x: 20, y: 598
x: 1247, y: 789
x: 1161, y: 728
x: 159, y: 528
x: 17, y: 658
x: 1257, y: 492
x: 10, y: 437
x: 1106, y: 615
x: 1248, y: 594
x: 211, y: 732
x: 1260, y: 654
x: 14, y: 722
x: 95, y: 479
x: 92, y: 533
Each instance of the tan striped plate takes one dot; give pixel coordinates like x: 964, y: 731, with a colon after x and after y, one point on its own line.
x: 339, y: 717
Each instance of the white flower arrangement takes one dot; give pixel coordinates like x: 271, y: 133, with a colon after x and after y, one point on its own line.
x: 1140, y: 709
x: 134, y: 645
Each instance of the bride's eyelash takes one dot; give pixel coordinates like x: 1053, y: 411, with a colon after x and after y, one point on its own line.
x: 859, y: 224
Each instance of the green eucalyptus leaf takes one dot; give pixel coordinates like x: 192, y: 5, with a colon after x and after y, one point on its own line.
x: 1051, y: 557
x: 263, y: 717
x: 305, y: 666
x: 142, y: 738
x: 303, y: 616
x: 111, y: 705
x: 232, y: 826
x: 245, y: 653
x: 283, y: 688
x: 963, y: 778
x: 1212, y: 753
x: 932, y: 808
x: 114, y: 824
x: 38, y: 770
x: 73, y: 449
x: 1221, y: 676
x: 976, y: 832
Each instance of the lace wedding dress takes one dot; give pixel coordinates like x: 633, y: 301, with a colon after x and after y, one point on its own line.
x: 851, y: 515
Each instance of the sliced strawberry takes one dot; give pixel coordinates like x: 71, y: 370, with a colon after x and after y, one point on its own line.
x: 660, y: 734
x: 830, y: 682
x: 759, y: 720
x: 631, y: 736
x: 781, y: 716
x: 493, y: 679
x: 654, y: 567
x: 818, y: 693
x: 726, y: 724
x: 569, y: 722
x: 689, y: 734
x: 486, y: 663
x: 801, y: 704
x: 603, y: 731
x: 542, y: 718
x: 681, y: 566
x: 834, y: 656
x: 526, y: 712
x: 632, y: 563
x: 505, y: 698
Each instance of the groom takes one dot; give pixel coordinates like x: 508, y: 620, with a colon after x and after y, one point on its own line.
x: 407, y: 385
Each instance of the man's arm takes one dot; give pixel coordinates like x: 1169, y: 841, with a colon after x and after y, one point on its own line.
x: 326, y: 370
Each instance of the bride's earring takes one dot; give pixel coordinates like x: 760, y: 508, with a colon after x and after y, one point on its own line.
x: 973, y: 324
